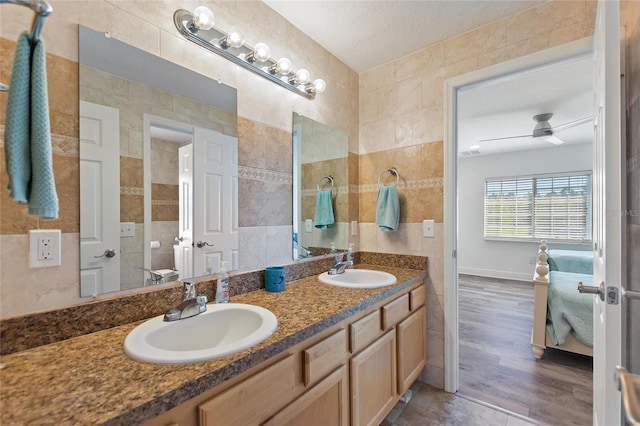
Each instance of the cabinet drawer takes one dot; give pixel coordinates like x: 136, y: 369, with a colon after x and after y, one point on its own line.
x: 417, y: 298
x: 265, y: 393
x: 323, y: 357
x: 364, y: 331
x: 394, y: 312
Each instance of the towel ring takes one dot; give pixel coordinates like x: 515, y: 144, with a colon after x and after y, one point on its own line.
x: 329, y: 178
x: 391, y: 170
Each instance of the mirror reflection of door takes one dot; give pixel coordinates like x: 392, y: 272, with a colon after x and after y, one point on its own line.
x: 192, y: 204
x: 100, y: 199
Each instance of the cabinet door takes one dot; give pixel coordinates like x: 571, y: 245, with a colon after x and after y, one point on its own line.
x: 256, y: 399
x: 412, y: 349
x: 373, y: 381
x: 325, y: 404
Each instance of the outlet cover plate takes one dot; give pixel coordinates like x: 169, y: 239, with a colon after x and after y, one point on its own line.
x: 428, y: 228
x: 45, y: 248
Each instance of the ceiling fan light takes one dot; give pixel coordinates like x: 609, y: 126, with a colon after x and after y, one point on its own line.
x: 553, y: 139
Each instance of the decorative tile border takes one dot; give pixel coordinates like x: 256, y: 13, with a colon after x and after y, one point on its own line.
x: 265, y: 175
x: 412, y: 184
x: 131, y: 190
x: 337, y: 190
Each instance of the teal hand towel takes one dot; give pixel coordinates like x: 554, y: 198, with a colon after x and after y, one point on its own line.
x: 388, y: 208
x: 324, y: 218
x: 44, y: 200
x: 27, y: 133
x: 17, y: 132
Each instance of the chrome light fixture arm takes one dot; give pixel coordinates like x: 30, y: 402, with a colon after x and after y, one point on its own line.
x: 215, y: 40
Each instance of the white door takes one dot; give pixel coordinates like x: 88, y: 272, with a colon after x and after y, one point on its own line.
x: 608, y: 172
x: 215, y: 222
x: 99, y: 199
x: 184, y: 259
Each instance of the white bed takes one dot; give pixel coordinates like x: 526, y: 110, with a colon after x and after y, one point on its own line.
x: 540, y: 336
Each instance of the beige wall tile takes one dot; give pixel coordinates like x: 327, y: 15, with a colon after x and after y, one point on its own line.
x: 416, y: 64
x: 515, y: 50
x: 379, y: 77
x: 377, y: 136
x: 475, y: 42
x: 543, y: 19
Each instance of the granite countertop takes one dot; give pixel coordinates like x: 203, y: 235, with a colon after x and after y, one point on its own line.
x: 90, y: 380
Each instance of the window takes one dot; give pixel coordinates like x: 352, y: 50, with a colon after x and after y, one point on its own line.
x: 553, y: 207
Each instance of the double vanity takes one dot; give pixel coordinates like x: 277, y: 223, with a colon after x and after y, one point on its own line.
x: 339, y: 355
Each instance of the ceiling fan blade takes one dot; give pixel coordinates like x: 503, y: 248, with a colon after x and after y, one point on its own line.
x: 553, y: 139
x: 508, y: 137
x: 571, y: 124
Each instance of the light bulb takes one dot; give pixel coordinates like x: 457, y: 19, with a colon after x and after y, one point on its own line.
x: 203, y: 18
x: 319, y: 85
x: 302, y: 76
x: 261, y: 52
x: 284, y: 66
x: 234, y: 37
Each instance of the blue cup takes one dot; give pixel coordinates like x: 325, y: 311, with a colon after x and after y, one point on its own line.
x: 274, y: 278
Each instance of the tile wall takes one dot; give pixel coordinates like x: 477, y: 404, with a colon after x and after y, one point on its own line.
x: 393, y: 116
x: 401, y: 124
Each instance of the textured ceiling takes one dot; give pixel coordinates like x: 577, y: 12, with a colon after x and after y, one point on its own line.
x: 505, y: 107
x: 365, y: 34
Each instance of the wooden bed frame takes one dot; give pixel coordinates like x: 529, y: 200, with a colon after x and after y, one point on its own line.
x: 540, y: 339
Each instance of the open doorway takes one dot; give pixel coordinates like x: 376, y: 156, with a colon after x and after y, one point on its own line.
x: 495, y: 157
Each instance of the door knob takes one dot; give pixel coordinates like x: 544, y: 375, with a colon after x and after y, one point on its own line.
x: 107, y: 253
x: 201, y: 244
x: 591, y: 289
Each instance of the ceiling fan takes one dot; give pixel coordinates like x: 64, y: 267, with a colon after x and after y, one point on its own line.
x: 543, y: 129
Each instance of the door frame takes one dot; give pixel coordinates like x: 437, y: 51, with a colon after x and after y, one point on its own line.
x: 547, y: 57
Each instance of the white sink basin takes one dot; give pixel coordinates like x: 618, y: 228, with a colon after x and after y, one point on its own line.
x: 222, y: 330
x: 359, y: 278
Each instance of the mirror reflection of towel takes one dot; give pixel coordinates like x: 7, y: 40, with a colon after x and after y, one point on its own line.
x: 324, y: 210
x: 388, y: 208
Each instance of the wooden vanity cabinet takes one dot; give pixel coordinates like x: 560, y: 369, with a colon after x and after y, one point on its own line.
x: 352, y: 373
x: 412, y: 349
x: 325, y: 404
x: 373, y: 381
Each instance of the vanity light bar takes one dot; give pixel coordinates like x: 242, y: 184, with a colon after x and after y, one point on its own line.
x: 255, y: 59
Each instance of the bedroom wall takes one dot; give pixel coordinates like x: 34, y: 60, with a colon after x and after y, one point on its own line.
x: 502, y: 259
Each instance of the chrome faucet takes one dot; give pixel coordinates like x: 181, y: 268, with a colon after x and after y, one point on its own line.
x: 305, y: 252
x: 340, y: 265
x: 191, y: 305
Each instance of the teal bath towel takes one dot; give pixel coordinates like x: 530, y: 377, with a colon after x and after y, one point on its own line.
x: 27, y: 134
x: 324, y: 218
x: 388, y: 208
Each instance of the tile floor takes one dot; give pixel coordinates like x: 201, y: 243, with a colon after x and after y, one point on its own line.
x: 430, y: 406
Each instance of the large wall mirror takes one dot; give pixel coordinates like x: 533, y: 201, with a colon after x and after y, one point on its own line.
x: 321, y: 188
x: 158, y: 169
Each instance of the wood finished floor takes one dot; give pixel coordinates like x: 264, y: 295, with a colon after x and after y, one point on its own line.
x: 496, y: 362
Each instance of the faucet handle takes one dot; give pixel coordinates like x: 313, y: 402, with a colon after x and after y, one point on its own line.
x: 189, y: 289
x: 339, y: 257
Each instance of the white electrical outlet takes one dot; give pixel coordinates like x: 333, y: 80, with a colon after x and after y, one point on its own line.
x: 127, y: 229
x: 308, y: 225
x: 428, y: 228
x: 354, y: 227
x: 45, y: 248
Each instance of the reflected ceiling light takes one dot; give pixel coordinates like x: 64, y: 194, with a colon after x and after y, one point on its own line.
x: 198, y: 28
x: 234, y: 38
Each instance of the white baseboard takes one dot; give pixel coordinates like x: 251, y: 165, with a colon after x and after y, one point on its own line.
x: 492, y: 273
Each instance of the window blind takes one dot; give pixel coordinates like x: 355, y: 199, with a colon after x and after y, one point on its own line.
x: 554, y: 207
